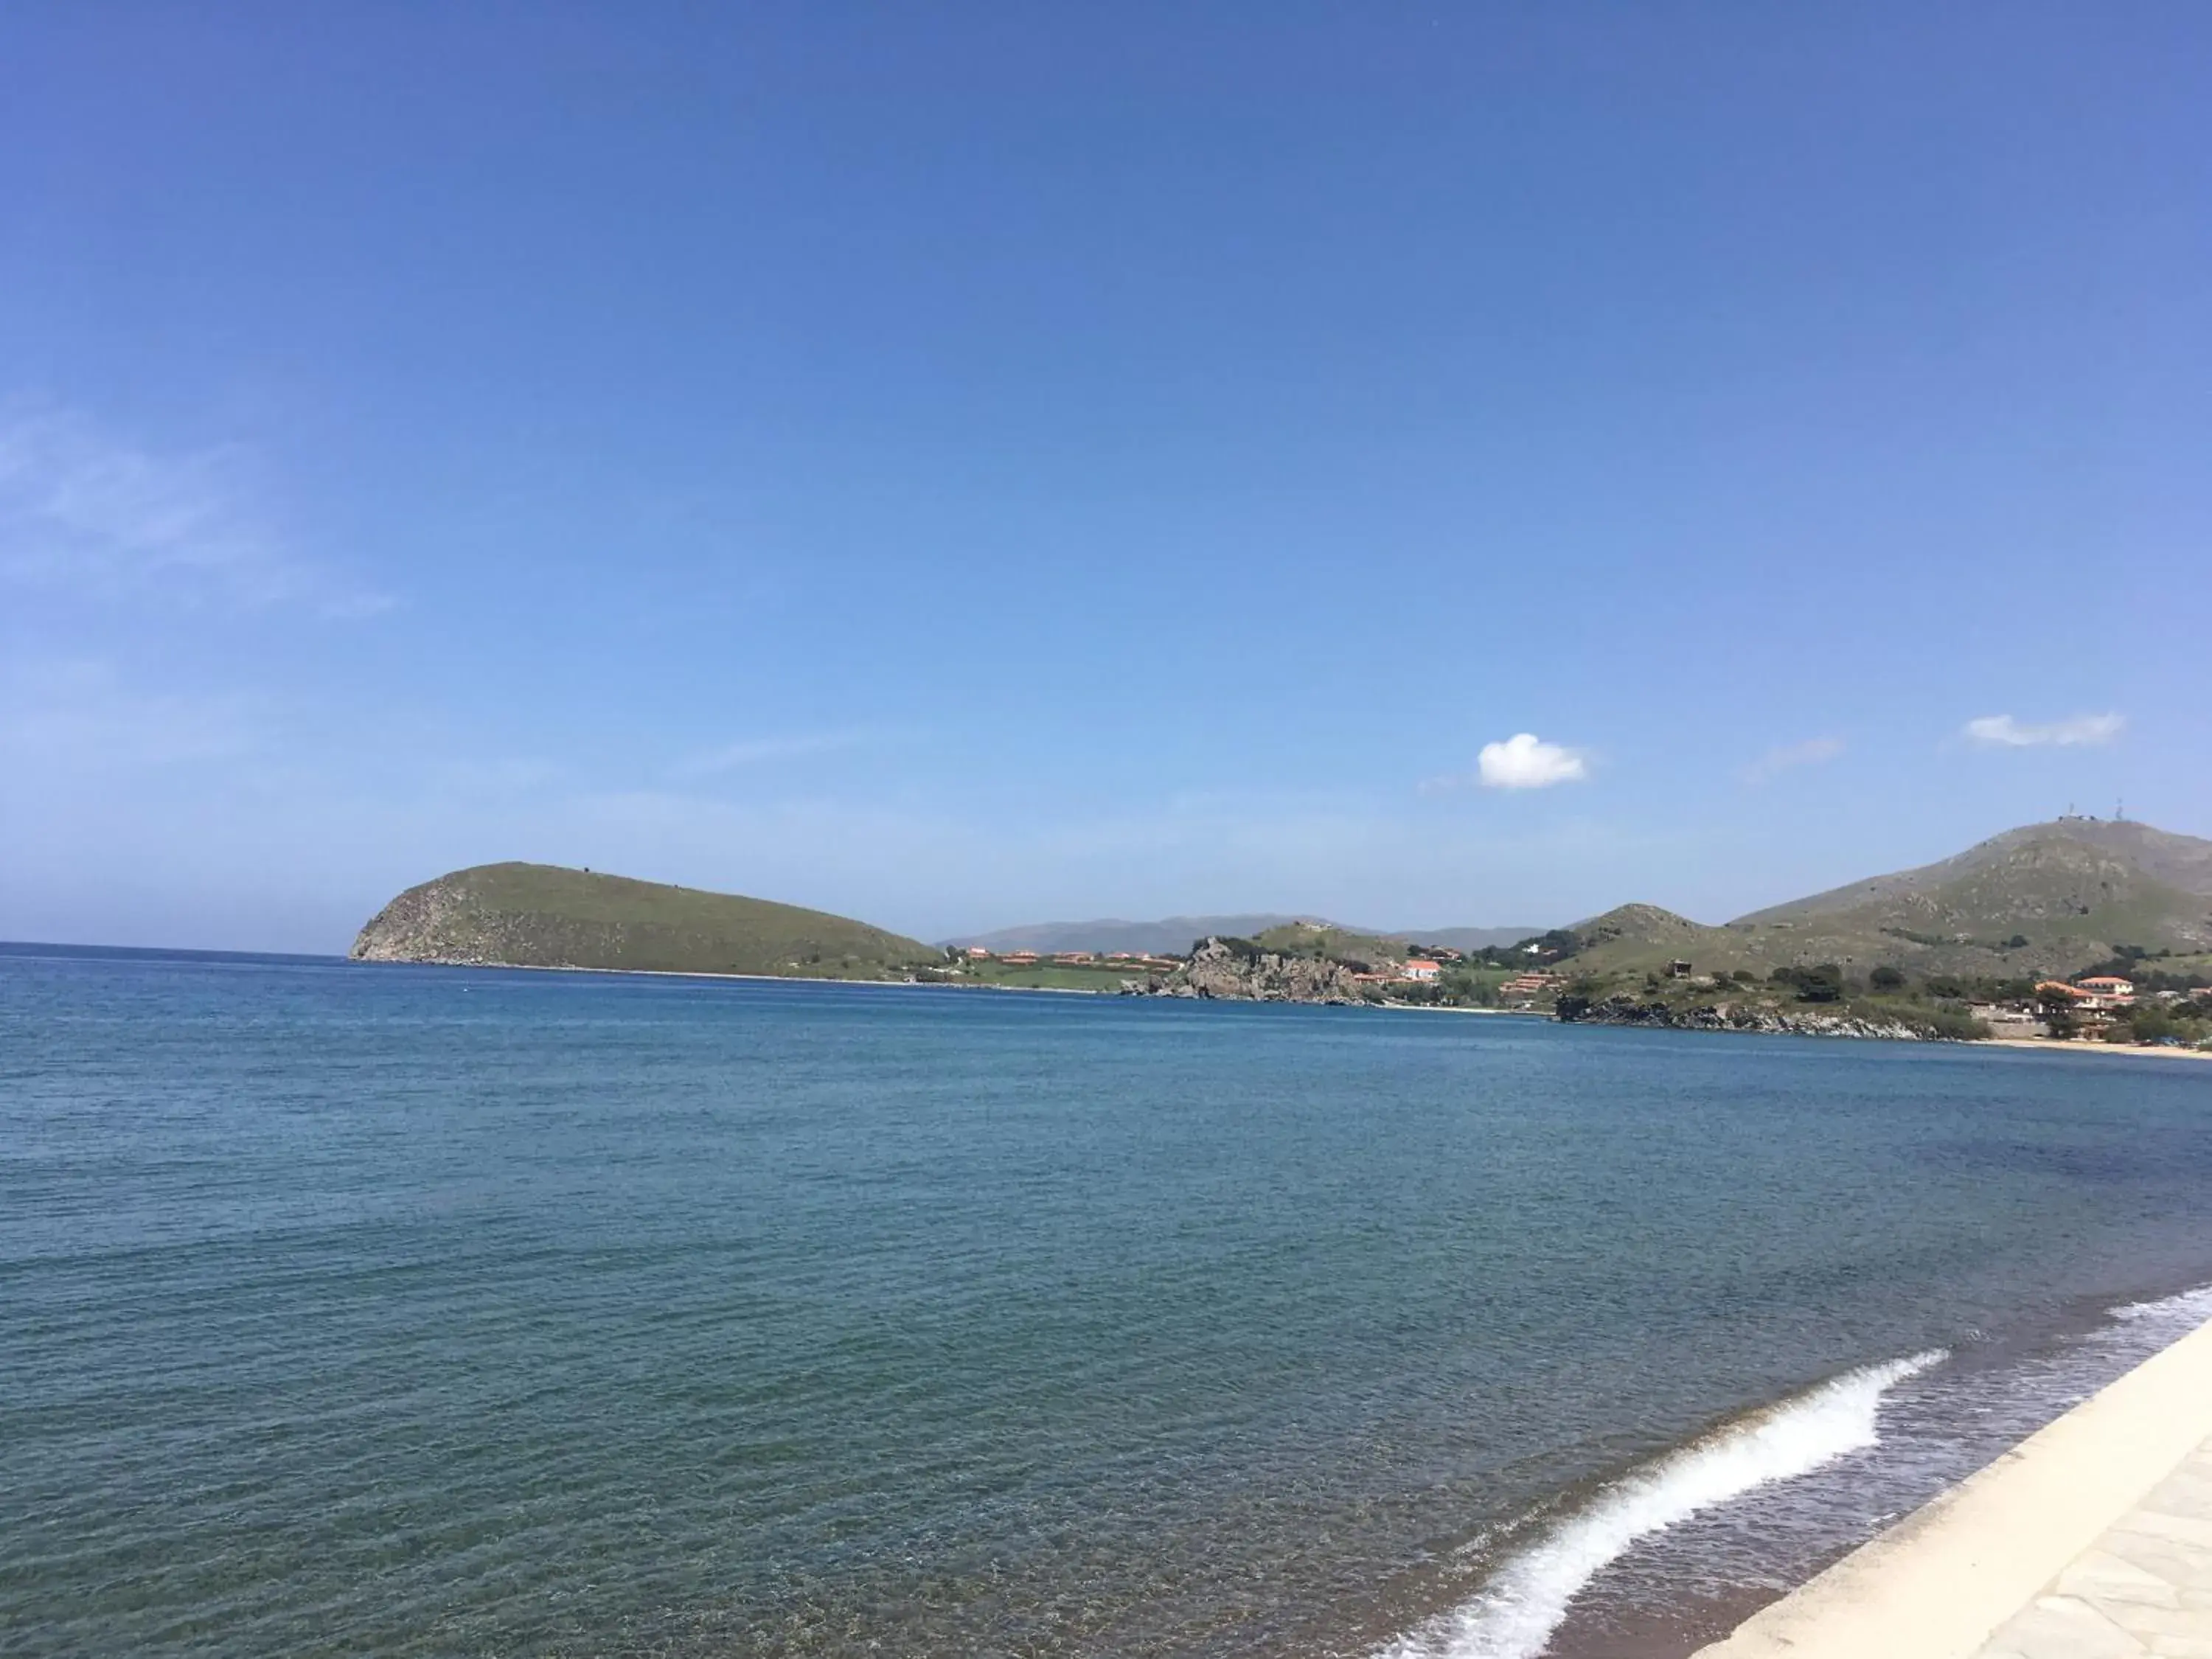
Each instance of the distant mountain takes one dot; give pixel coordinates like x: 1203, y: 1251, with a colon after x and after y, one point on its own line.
x: 1178, y: 933
x: 1173, y: 933
x: 541, y: 915
x: 2047, y: 898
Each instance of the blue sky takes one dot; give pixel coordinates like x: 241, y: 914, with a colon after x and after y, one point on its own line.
x: 961, y: 465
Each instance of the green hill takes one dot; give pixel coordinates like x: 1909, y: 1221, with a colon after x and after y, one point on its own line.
x: 1324, y: 941
x: 541, y: 915
x: 2048, y: 898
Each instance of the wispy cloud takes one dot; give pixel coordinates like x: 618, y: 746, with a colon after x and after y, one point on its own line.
x: 755, y: 751
x: 2004, y: 731
x: 82, y: 511
x: 1812, y: 751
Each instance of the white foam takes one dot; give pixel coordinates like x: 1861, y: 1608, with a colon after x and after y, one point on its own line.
x: 2189, y: 1308
x: 1527, y: 1598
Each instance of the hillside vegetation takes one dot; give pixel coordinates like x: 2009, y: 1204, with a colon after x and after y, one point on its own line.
x: 2045, y: 900
x: 541, y: 915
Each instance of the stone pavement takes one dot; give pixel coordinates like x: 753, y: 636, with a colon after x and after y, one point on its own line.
x: 2144, y: 1587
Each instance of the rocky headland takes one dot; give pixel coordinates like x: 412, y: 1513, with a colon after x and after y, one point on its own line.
x: 1238, y: 971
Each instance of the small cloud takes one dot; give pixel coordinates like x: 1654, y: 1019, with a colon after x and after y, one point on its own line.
x: 2004, y: 731
x: 84, y: 512
x: 1526, y: 761
x: 1814, y: 752
x: 752, y: 752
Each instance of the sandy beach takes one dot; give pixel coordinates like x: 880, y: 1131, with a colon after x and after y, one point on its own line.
x: 2046, y: 1046
x: 2092, y: 1537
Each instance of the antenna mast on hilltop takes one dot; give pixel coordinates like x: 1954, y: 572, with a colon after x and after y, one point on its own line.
x: 2120, y: 811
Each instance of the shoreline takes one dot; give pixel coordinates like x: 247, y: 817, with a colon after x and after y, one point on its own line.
x: 2037, y: 1045
x: 2044, y: 1045
x: 2005, y: 1548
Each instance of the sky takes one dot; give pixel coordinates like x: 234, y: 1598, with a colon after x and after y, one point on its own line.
x: 963, y: 465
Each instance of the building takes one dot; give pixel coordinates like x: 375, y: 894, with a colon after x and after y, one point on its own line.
x: 1524, y: 989
x: 2009, y: 1019
x: 978, y: 952
x: 1420, y: 971
x: 1019, y: 959
x: 2111, y: 989
x: 1074, y: 957
x: 1678, y: 968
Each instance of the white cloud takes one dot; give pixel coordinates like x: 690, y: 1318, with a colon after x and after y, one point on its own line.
x: 753, y: 751
x: 83, y: 512
x: 1526, y: 761
x: 1814, y: 752
x: 2004, y: 731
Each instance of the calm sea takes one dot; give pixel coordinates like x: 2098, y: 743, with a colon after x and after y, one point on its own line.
x: 353, y: 1308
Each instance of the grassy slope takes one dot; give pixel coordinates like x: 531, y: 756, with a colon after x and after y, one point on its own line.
x: 1330, y: 943
x: 2074, y: 890
x: 544, y: 915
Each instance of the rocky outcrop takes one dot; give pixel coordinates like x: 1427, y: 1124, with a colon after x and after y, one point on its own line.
x: 1216, y: 970
x: 1724, y: 1016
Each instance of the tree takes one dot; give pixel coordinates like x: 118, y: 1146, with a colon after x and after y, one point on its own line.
x: 1885, y: 978
x: 1822, y: 984
x: 2058, y: 1004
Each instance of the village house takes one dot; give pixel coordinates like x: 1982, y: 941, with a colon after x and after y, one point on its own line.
x: 1523, y: 990
x: 2109, y: 990
x: 1420, y: 971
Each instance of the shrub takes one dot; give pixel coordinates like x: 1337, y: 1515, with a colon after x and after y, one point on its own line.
x: 1955, y: 1025
x: 1824, y: 983
x: 1885, y: 978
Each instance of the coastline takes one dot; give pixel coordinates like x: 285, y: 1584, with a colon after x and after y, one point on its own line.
x: 2046, y: 1046
x: 2037, y: 1045
x: 2015, y: 1546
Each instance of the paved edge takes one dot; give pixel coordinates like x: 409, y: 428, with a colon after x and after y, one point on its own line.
x: 1939, y: 1584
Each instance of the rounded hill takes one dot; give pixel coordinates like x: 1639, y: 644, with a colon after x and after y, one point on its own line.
x: 544, y: 915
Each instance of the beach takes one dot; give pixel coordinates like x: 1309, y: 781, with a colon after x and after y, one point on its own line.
x: 2046, y: 1046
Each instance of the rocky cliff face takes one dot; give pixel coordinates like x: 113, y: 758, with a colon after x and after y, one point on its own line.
x: 1215, y: 970
x: 438, y: 921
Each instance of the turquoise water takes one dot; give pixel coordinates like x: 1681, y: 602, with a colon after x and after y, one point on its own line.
x: 350, y: 1309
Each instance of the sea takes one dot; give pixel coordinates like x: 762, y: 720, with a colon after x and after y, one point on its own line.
x: 370, y: 1309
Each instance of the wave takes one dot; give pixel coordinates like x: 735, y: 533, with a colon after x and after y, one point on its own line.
x: 1527, y: 1598
x: 2189, y: 1308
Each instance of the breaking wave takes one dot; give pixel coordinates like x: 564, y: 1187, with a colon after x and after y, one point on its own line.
x: 2189, y: 1308
x: 1525, y: 1598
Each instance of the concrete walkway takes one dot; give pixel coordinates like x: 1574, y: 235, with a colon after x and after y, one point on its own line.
x: 2145, y: 1587
x: 2091, y: 1540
